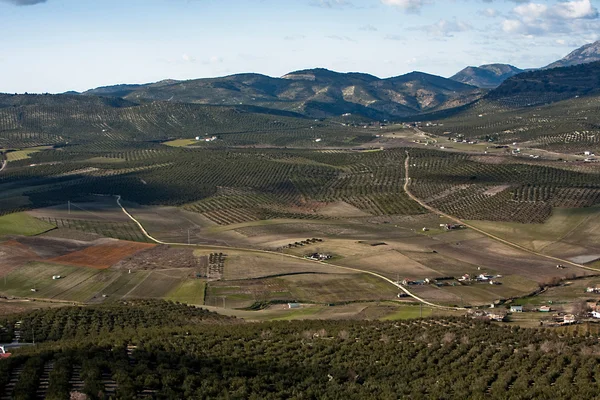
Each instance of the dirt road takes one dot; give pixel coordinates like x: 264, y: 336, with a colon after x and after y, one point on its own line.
x: 490, y: 235
x: 138, y: 223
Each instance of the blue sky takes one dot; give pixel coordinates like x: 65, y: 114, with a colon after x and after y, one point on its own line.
x: 59, y: 45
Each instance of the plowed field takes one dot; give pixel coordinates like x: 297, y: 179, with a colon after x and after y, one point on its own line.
x: 103, y: 255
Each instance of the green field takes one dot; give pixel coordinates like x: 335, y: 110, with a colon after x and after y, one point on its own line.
x: 23, y: 224
x: 189, y: 291
x: 24, y: 154
x: 180, y: 142
x: 76, y: 284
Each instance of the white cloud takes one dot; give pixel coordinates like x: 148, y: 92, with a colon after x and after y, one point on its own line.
x: 446, y: 28
x: 489, y: 12
x: 576, y: 10
x: 574, y: 16
x: 188, y: 58
x: 332, y: 3
x: 407, y: 5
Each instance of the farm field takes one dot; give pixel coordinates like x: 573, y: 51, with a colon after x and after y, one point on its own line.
x: 18, y: 155
x: 180, y: 142
x: 576, y: 224
x: 104, y: 255
x: 386, y: 310
x: 304, y: 288
x: 23, y: 224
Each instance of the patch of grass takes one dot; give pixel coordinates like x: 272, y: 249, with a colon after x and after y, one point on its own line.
x: 18, y: 155
x: 73, y: 285
x: 409, y: 312
x: 189, y: 291
x: 23, y: 224
x: 180, y: 142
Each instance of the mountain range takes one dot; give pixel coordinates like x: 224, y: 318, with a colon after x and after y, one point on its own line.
x: 317, y: 93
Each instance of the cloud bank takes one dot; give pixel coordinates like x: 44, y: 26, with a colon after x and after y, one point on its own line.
x: 23, y: 2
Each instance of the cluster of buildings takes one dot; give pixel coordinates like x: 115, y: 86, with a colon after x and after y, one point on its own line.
x: 451, y: 227
x: 319, y: 257
x: 210, y: 139
x: 481, y: 278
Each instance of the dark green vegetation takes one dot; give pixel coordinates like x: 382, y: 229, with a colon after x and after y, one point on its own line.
x: 488, y: 76
x: 555, y: 110
x: 80, y: 322
x: 213, y: 358
x: 468, y: 188
x: 316, y: 93
x: 545, y: 86
x: 257, y: 183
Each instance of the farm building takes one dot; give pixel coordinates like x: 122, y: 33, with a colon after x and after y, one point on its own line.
x: 293, y: 305
x: 544, y: 309
x: 516, y: 308
x: 569, y: 319
x: 593, y: 290
x: 319, y: 257
x: 496, y: 317
x: 595, y: 314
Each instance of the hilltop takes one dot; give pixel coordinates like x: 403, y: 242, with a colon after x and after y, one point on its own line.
x: 317, y: 93
x: 585, y: 54
x: 488, y: 76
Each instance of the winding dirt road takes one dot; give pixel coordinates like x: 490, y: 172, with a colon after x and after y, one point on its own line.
x: 490, y: 235
x: 139, y: 224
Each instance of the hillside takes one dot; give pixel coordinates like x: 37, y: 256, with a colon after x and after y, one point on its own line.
x: 34, y: 120
x: 317, y: 93
x: 449, y: 358
x: 585, y: 54
x: 486, y: 76
x: 546, y: 86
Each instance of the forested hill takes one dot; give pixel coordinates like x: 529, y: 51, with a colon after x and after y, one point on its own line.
x: 32, y: 120
x: 318, y: 93
x: 450, y: 358
x: 545, y: 86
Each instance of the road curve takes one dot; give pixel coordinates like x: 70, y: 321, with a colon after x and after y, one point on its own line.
x: 397, y: 285
x: 490, y: 235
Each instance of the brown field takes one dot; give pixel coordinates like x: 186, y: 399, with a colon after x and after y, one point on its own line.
x: 8, y: 307
x: 498, y: 258
x: 14, y: 254
x: 102, y: 256
x: 161, y: 257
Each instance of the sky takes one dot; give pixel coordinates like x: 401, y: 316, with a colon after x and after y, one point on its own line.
x: 59, y: 45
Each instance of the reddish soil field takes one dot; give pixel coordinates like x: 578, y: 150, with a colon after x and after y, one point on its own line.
x: 102, y: 256
x: 14, y: 254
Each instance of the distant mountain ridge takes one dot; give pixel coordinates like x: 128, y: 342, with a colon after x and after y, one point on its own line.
x: 488, y: 76
x: 317, y: 93
x: 585, y: 54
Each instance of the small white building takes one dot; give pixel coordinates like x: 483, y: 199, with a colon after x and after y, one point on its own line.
x: 516, y: 308
x: 293, y: 305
